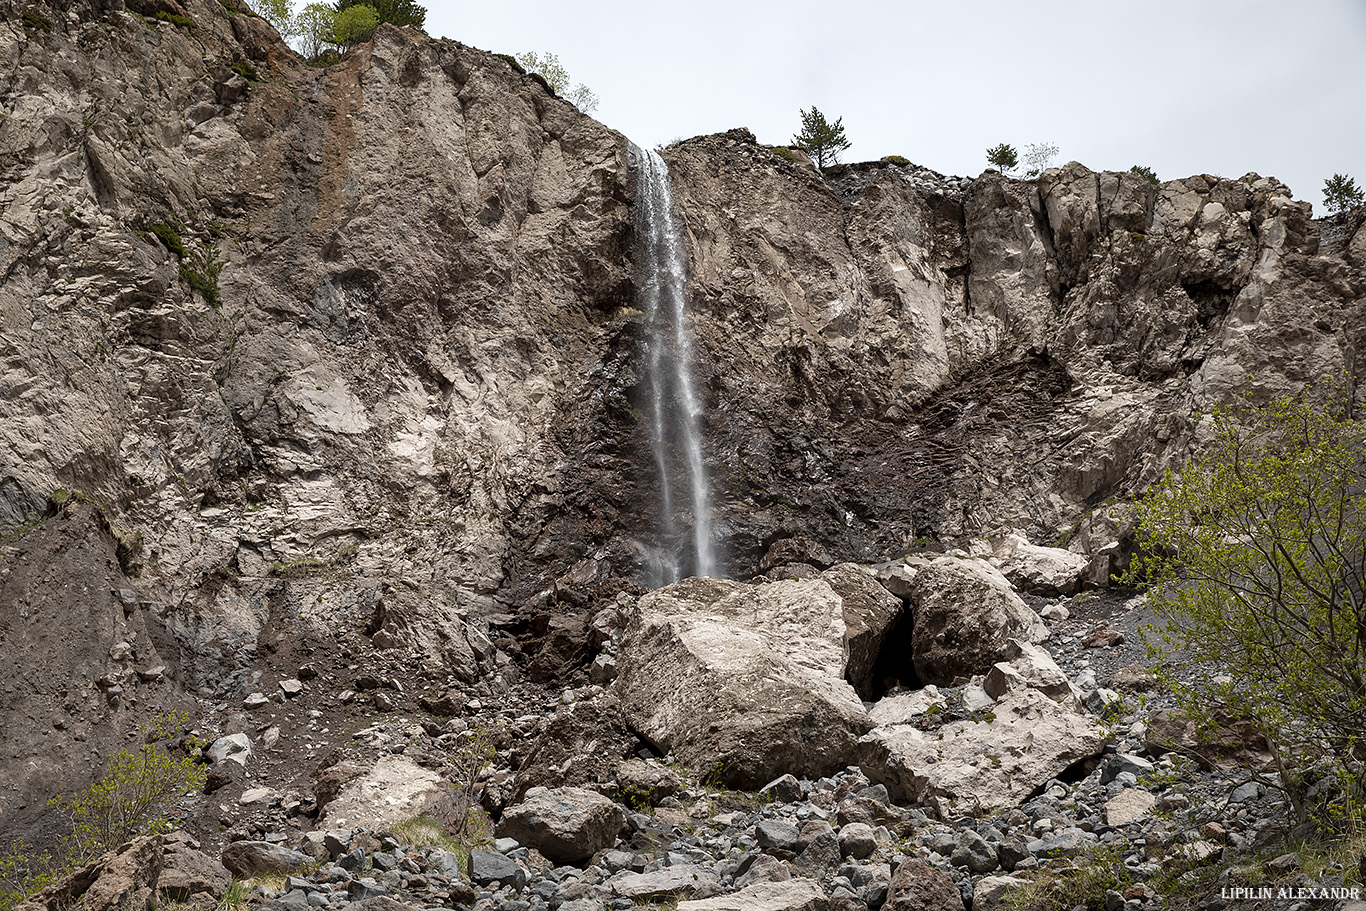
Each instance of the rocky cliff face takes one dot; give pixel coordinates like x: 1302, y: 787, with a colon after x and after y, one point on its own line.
x: 355, y: 347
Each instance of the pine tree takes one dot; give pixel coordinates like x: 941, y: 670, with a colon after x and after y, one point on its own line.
x: 1341, y: 193
x: 1003, y: 157
x: 821, y: 140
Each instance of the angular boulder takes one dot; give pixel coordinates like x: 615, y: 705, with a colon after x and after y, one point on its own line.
x: 789, y: 895
x: 674, y: 881
x: 748, y: 682
x: 916, y: 886
x: 965, y: 611
x: 567, y: 825
x: 125, y: 879
x: 982, y: 766
x: 253, y: 858
x: 1039, y: 570
x: 582, y: 743
x: 1030, y: 667
x: 393, y: 790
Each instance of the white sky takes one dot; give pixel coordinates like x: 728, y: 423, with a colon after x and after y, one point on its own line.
x: 1219, y: 87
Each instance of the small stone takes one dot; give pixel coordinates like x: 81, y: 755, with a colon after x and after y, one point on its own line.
x: 256, y: 795
x: 291, y: 687
x: 1129, y: 805
x: 1283, y: 865
x: 256, y: 701
x: 857, y: 840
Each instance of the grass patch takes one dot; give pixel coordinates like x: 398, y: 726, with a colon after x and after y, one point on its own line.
x: 896, y: 160
x: 202, y: 277
x: 784, y: 153
x: 1080, y: 882
x: 36, y: 22
x: 425, y: 832
x: 174, y: 19
x: 297, y: 569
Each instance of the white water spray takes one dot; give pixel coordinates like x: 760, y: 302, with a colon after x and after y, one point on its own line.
x: 673, y: 405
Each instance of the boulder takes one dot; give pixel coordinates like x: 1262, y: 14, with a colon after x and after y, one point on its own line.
x: 990, y: 893
x: 393, y: 790
x: 1039, y: 570
x: 1029, y: 666
x: 788, y: 895
x: 567, y: 825
x: 965, y: 613
x: 640, y: 783
x: 679, y: 880
x: 747, y: 682
x: 916, y: 886
x: 233, y: 747
x: 124, y: 879
x: 582, y: 743
x: 187, y: 871
x: 253, y: 858
x: 982, y: 766
x: 1128, y: 805
x: 486, y: 867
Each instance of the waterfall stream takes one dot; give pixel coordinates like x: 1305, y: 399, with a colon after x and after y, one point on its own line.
x: 672, y: 405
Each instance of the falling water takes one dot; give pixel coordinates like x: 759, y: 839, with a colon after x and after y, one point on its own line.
x: 673, y: 406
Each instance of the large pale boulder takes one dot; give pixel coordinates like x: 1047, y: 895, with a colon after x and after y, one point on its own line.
x: 674, y: 881
x: 965, y: 611
x: 1042, y: 570
x: 393, y: 790
x: 567, y: 825
x: 1030, y: 666
x: 982, y: 766
x: 749, y: 682
x: 788, y: 895
x: 254, y: 858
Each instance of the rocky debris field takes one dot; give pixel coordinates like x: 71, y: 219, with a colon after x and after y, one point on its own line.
x: 574, y: 809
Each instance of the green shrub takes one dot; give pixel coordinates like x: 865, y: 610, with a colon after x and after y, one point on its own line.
x: 1146, y: 173
x: 1341, y: 193
x: 174, y: 19
x: 169, y: 237
x: 784, y: 153
x: 202, y: 277
x: 22, y: 874
x: 245, y: 70
x: 1254, y: 558
x: 132, y: 797
x: 896, y: 160
x: 459, y: 809
x: 35, y: 21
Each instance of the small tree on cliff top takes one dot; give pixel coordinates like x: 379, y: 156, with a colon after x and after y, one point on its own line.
x: 549, y: 68
x: 1003, y: 157
x: 821, y: 139
x: 1341, y: 193
x: 395, y: 12
x: 1255, y: 559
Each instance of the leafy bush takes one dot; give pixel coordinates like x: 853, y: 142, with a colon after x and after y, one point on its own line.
x: 352, y: 26
x: 132, y: 797
x: 1255, y: 561
x: 395, y: 12
x: 174, y: 19
x: 459, y: 809
x: 22, y: 874
x: 1341, y: 193
x: 1146, y: 173
x: 1003, y: 157
x: 896, y: 160
x: 169, y: 237
x: 548, y: 67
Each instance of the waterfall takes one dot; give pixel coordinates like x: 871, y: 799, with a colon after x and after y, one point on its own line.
x: 672, y: 405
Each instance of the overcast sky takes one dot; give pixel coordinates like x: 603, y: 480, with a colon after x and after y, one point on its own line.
x: 1220, y: 87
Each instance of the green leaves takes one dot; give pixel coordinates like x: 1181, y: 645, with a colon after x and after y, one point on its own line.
x: 1003, y: 157
x: 1254, y: 557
